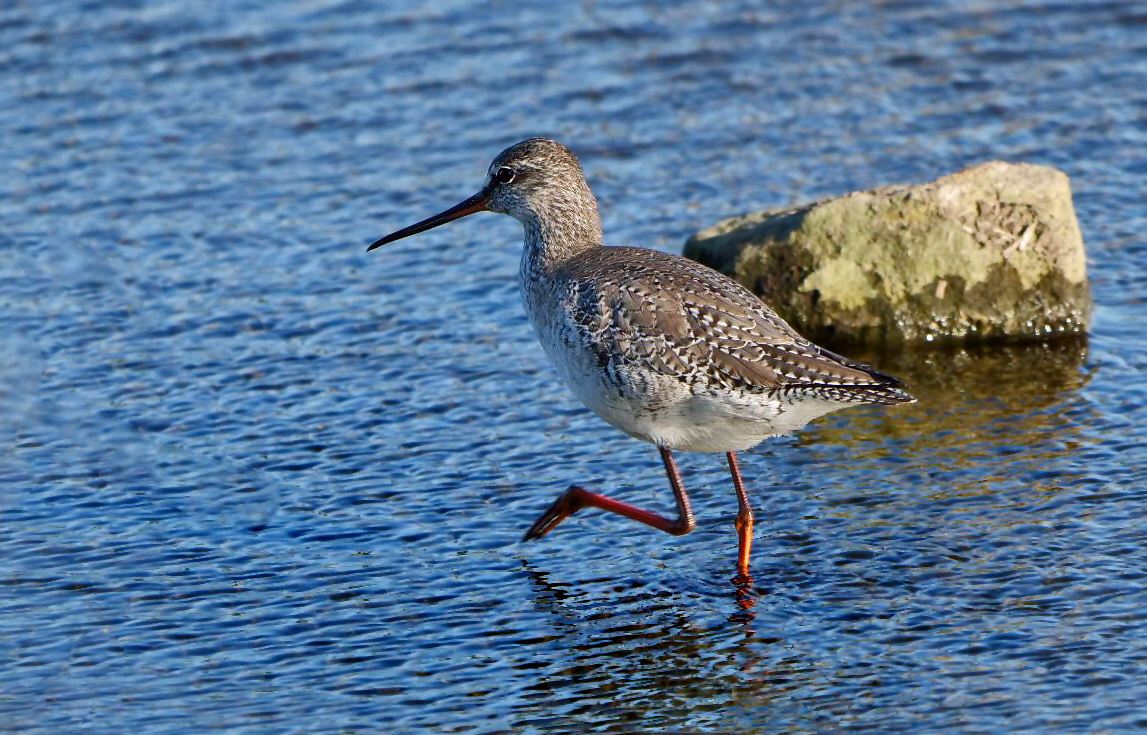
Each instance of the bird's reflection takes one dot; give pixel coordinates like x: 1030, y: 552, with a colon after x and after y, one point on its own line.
x: 745, y: 598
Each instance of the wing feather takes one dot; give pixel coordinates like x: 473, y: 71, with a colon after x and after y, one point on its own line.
x: 679, y: 319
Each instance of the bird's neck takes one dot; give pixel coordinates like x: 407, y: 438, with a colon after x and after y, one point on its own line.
x: 555, y: 236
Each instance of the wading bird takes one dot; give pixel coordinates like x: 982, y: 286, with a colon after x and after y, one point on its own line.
x: 660, y: 347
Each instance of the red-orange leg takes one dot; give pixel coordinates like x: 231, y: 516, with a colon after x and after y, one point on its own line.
x: 744, y: 522
x: 576, y: 498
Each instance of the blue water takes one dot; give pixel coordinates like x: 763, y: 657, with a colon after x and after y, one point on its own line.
x: 257, y: 480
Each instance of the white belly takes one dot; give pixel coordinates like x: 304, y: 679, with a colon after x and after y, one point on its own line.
x: 664, y: 411
x: 650, y: 406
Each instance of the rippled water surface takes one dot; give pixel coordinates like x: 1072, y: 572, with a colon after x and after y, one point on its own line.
x: 256, y: 480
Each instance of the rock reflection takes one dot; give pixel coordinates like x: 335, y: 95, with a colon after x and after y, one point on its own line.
x: 975, y: 404
x: 1008, y: 379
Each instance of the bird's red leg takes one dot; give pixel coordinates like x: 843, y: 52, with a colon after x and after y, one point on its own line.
x: 576, y: 498
x: 744, y: 522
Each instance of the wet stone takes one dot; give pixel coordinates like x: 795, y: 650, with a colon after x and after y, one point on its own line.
x: 992, y: 252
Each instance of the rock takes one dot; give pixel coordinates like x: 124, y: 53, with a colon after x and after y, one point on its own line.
x: 991, y: 252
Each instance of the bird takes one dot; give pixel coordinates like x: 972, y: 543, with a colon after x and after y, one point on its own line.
x: 665, y: 349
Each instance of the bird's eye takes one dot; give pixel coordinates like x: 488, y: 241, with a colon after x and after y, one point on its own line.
x: 504, y: 175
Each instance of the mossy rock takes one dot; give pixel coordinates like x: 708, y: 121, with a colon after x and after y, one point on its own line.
x: 993, y: 252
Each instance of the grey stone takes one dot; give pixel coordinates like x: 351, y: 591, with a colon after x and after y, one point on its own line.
x: 994, y: 251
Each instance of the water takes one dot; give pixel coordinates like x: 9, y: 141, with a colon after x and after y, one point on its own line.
x: 256, y: 480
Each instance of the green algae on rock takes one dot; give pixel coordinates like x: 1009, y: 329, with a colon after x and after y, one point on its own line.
x: 991, y: 252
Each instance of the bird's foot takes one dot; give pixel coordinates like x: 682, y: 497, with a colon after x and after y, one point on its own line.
x: 570, y: 502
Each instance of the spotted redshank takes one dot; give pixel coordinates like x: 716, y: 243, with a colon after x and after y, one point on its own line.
x: 660, y: 347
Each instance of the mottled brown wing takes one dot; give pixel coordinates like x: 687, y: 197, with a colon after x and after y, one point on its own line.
x: 681, y: 319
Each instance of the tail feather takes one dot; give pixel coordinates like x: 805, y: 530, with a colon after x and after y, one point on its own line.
x: 884, y: 389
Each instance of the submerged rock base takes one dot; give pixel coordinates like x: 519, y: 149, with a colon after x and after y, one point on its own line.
x: 991, y: 252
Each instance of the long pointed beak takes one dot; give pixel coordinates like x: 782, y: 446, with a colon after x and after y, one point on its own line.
x: 476, y: 203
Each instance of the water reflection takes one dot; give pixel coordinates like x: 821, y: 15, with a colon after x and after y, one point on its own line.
x: 962, y: 564
x: 639, y: 637
x: 971, y: 387
x: 745, y: 597
x: 980, y: 411
x: 1009, y: 378
x: 892, y: 533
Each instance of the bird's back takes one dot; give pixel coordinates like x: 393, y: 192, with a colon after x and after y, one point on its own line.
x: 641, y: 309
